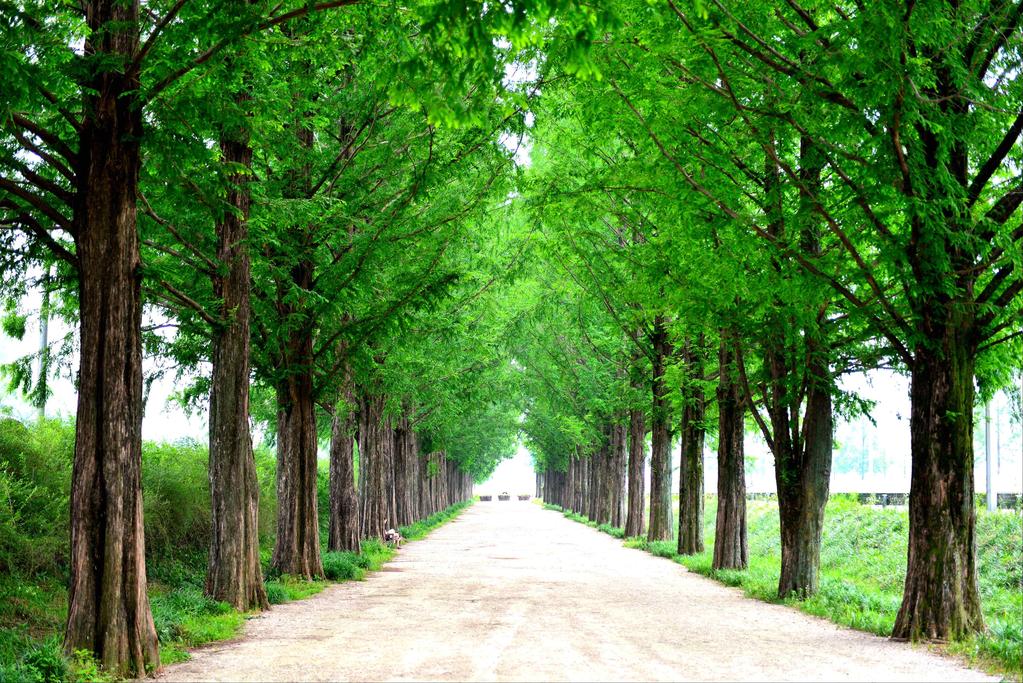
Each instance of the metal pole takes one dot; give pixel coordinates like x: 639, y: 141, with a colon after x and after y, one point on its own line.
x: 992, y: 497
x: 44, y: 342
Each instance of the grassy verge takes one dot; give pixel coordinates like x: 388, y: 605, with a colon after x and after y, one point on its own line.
x: 33, y: 609
x: 863, y: 558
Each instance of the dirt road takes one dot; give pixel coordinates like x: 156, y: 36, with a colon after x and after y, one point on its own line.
x: 509, y: 591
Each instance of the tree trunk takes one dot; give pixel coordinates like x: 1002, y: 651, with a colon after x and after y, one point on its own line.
x: 402, y: 469
x: 376, y: 445
x: 579, y: 495
x: 619, y: 444
x: 803, y: 493
x: 637, y: 461
x: 297, y: 548
x: 108, y: 608
x: 570, y: 484
x: 690, y: 481
x: 660, y: 436
x: 602, y: 508
x: 730, y: 549
x: 234, y: 574
x: 343, y: 526
x: 802, y: 458
x: 941, y: 598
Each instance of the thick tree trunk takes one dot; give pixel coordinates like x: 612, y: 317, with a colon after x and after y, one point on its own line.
x: 403, y: 467
x: 376, y: 444
x: 297, y: 547
x: 637, y: 465
x: 343, y: 526
x: 802, y: 451
x: 690, y: 483
x: 802, y: 495
x: 108, y: 608
x: 619, y: 445
x: 602, y: 507
x: 570, y: 483
x: 730, y: 549
x: 941, y: 598
x: 587, y: 484
x: 660, y: 437
x: 234, y: 574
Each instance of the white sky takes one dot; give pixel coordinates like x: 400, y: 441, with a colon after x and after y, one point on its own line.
x: 514, y: 476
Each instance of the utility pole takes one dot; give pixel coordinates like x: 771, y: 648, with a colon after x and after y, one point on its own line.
x: 992, y: 497
x: 44, y: 344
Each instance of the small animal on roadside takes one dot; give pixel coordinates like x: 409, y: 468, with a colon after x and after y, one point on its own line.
x: 393, y: 538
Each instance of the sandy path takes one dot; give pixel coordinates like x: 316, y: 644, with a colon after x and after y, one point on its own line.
x: 511, y: 591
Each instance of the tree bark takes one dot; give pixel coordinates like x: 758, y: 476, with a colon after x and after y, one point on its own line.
x: 402, y: 469
x: 941, y: 599
x: 619, y: 445
x: 634, y: 521
x: 343, y: 526
x: 803, y: 484
x: 297, y: 547
x: 690, y: 483
x: 570, y: 483
x: 108, y: 608
x: 802, y: 451
x: 375, y: 446
x: 660, y: 453
x: 234, y: 574
x: 602, y: 507
x: 730, y: 548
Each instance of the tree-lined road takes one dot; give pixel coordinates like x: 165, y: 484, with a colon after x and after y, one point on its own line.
x: 511, y: 592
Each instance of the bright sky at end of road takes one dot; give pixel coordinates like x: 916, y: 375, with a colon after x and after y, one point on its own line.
x: 514, y: 475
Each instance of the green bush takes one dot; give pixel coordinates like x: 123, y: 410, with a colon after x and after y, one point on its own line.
x: 35, y: 483
x: 276, y: 594
x: 42, y: 662
x: 342, y: 566
x: 176, y: 498
x: 615, y: 531
x: 35, y: 475
x: 173, y: 610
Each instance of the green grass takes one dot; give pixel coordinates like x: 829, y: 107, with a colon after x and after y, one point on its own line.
x: 33, y: 609
x: 863, y: 568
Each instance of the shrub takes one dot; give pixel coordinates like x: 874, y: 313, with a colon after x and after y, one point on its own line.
x: 176, y: 497
x: 85, y: 669
x: 35, y: 483
x: 173, y: 610
x: 45, y: 663
x: 275, y: 592
x: 342, y: 566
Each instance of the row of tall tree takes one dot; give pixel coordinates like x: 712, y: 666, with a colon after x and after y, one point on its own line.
x: 281, y: 203
x: 752, y: 200
x: 312, y: 210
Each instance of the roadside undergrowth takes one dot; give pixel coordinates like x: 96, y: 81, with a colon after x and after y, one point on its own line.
x: 33, y: 609
x: 863, y: 568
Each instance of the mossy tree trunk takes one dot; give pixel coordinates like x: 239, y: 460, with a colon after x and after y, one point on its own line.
x: 941, y: 599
